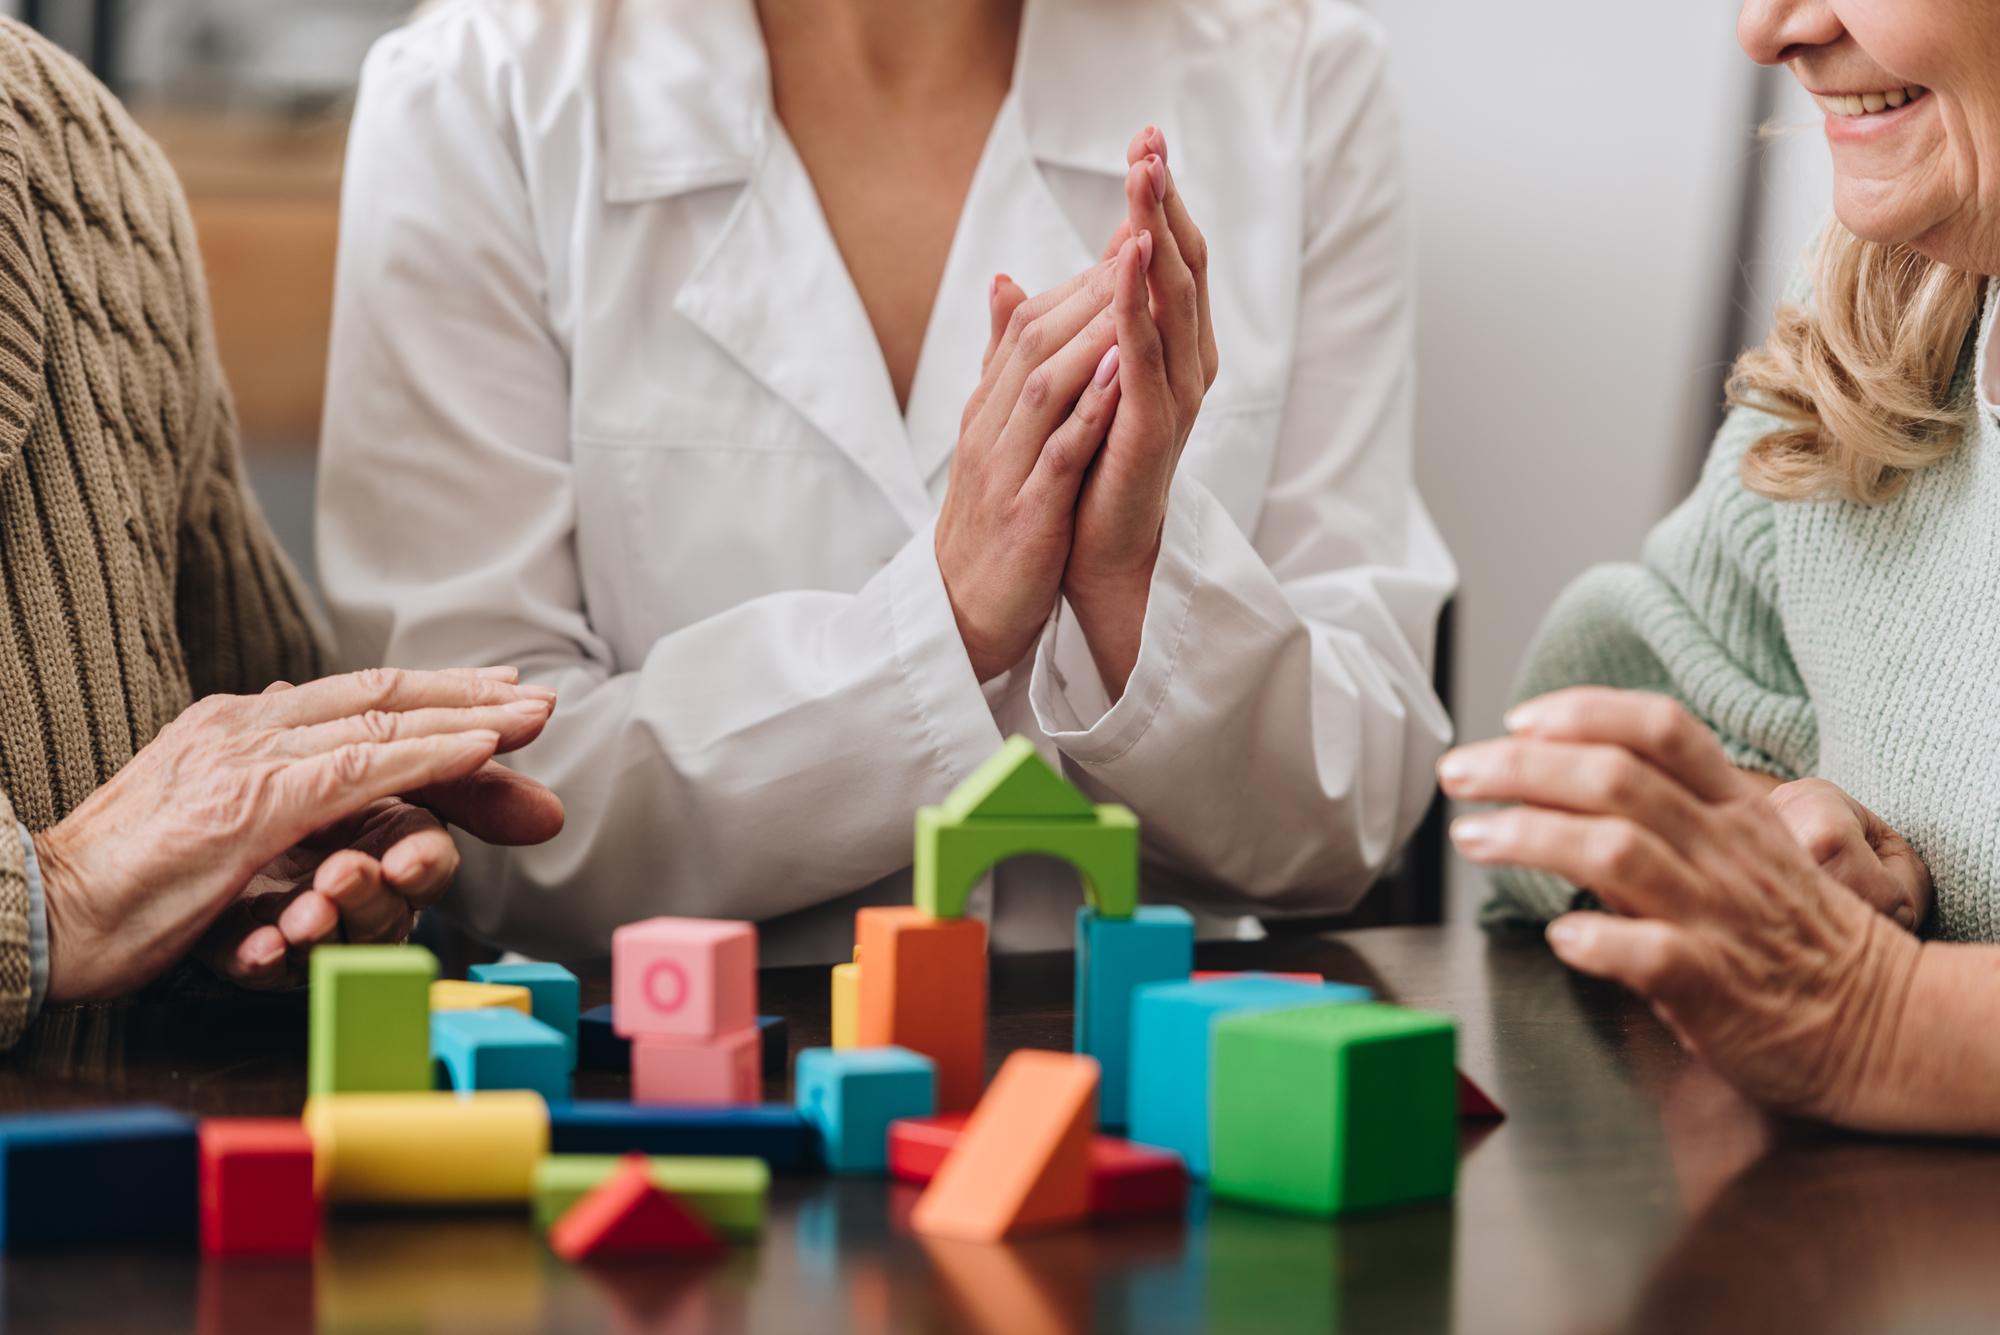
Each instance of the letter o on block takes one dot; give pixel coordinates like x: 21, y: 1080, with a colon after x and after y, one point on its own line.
x: 683, y: 977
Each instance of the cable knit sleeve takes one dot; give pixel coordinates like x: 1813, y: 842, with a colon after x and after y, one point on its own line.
x: 16, y: 960
x: 1699, y: 619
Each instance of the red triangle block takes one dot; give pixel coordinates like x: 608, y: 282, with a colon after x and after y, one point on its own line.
x: 625, y: 1216
x: 1473, y: 1103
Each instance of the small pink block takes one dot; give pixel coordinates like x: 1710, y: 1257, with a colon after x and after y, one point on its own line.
x: 690, y: 977
x: 726, y: 1069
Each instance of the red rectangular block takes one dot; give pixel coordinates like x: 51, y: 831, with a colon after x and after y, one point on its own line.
x: 257, y: 1187
x: 1125, y: 1178
x: 1222, y: 975
x: 923, y: 987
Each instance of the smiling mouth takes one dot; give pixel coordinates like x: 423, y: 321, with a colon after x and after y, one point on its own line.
x: 1866, y: 104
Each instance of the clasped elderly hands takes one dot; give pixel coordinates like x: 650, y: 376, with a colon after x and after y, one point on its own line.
x: 1067, y: 448
x: 254, y: 827
x: 1762, y: 924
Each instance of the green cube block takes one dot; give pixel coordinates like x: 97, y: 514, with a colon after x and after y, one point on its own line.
x: 1331, y: 1109
x: 726, y: 1192
x: 371, y: 1019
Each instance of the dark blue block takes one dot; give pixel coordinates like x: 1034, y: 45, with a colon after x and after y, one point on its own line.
x: 96, y: 1173
x: 599, y: 1049
x: 773, y: 1132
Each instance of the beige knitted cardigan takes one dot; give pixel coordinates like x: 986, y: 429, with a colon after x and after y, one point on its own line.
x: 136, y: 572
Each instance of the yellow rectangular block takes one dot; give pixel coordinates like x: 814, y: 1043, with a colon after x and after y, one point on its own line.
x: 455, y: 994
x: 847, y: 1002
x: 429, y: 1148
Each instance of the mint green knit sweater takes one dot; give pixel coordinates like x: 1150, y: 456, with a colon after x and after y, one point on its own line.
x: 1858, y: 643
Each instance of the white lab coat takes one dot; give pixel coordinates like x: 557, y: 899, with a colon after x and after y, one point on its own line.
x: 603, y: 403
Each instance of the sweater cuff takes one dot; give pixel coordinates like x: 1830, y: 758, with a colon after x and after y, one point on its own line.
x: 38, y: 929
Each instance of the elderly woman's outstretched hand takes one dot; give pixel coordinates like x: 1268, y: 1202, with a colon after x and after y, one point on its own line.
x: 1785, y: 980
x: 255, y: 826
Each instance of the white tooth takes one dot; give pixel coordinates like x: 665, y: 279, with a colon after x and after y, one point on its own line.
x: 1873, y: 102
x: 1853, y: 105
x: 1895, y: 97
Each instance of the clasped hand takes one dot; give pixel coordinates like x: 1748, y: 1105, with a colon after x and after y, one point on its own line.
x: 1067, y: 449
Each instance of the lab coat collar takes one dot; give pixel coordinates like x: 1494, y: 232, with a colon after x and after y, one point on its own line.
x: 685, y: 88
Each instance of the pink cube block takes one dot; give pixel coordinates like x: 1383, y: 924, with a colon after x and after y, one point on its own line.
x: 688, y: 977
x: 728, y: 1068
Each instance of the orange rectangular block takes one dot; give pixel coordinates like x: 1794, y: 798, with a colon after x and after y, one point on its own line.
x: 1023, y: 1162
x: 924, y: 988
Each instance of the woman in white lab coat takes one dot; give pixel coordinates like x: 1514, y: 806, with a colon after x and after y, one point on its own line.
x: 631, y: 388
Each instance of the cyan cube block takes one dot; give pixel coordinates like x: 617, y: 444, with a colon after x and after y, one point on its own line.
x: 96, y: 1173
x: 497, y: 1047
x: 553, y: 993
x: 1173, y: 1053
x: 1114, y: 956
x: 852, y: 1094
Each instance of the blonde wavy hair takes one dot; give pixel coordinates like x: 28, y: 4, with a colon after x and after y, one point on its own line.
x: 1862, y: 378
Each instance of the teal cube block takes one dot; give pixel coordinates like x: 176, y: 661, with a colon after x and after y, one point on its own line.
x: 497, y: 1047
x: 852, y: 1094
x: 1114, y: 956
x: 1332, y: 1109
x: 1173, y: 1046
x: 553, y: 993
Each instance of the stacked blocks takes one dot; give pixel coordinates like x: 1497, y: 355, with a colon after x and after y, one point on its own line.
x: 553, y: 991
x: 1173, y: 1051
x: 847, y: 1001
x: 1113, y: 957
x: 924, y: 988
x: 1125, y: 1179
x: 1332, y: 1109
x: 499, y: 1048
x: 627, y: 1216
x: 257, y: 1188
x: 769, y: 1131
x: 370, y: 1019
x: 1013, y: 804
x: 107, y: 1172
x: 684, y: 990
x: 1023, y: 1162
x: 852, y: 1095
x: 599, y: 1048
x: 453, y: 994
x: 427, y: 1148
x: 728, y: 1193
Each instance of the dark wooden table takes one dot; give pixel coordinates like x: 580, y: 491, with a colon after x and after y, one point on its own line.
x: 1627, y: 1189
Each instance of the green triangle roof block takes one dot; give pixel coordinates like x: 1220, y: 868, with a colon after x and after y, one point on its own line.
x: 1015, y: 783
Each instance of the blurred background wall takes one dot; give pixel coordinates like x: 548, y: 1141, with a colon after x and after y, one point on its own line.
x: 1600, y: 227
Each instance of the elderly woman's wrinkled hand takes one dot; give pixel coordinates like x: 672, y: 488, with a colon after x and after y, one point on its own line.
x: 293, y: 796
x: 1789, y: 984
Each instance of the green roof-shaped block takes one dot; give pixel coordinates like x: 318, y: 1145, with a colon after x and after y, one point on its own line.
x: 1014, y: 804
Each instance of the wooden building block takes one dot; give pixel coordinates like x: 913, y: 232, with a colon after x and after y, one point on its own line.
x: 924, y: 988
x: 554, y: 994
x: 852, y: 1095
x: 1333, y: 1109
x: 599, y: 1047
x: 1023, y: 1164
x: 773, y: 1132
x: 370, y: 1019
x: 427, y: 1149
x: 1013, y: 804
x: 455, y: 994
x: 728, y: 1068
x: 1474, y: 1104
x: 1173, y: 1042
x: 96, y: 1173
x: 1231, y: 975
x: 847, y: 1002
x: 728, y: 1193
x: 257, y: 1187
x: 1125, y: 1178
x: 684, y: 977
x: 1113, y: 957
x: 626, y: 1217
x: 497, y: 1047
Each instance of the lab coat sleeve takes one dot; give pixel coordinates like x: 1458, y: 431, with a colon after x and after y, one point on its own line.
x: 742, y: 768
x: 1279, y: 733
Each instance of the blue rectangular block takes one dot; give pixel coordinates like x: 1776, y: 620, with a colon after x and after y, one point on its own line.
x: 96, y: 1173
x: 497, y: 1047
x: 600, y: 1049
x: 1114, y: 956
x: 553, y: 992
x: 773, y: 1132
x: 850, y: 1095
x: 1173, y: 1052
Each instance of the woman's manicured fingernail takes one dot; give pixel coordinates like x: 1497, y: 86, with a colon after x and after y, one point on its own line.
x: 1454, y: 767
x: 1106, y: 368
x: 1158, y: 171
x: 527, y: 708
x: 1473, y: 834
x: 1156, y: 140
x: 1566, y: 932
x: 538, y: 693
x: 269, y: 953
x: 1524, y: 718
x: 1145, y: 251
